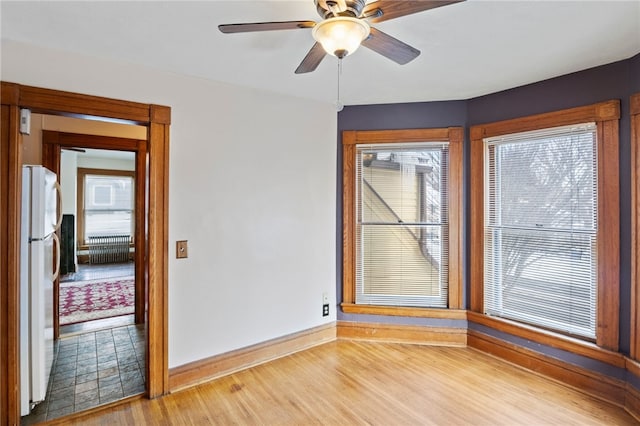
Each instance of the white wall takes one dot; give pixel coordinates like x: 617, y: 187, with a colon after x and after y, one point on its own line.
x: 68, y: 181
x: 252, y: 187
x: 107, y: 163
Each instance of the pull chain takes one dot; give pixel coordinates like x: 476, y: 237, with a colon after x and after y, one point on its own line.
x: 339, y: 105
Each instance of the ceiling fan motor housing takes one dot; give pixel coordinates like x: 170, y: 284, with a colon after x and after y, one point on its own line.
x: 350, y: 8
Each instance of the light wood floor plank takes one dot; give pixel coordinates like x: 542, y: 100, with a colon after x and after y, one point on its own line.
x: 353, y: 383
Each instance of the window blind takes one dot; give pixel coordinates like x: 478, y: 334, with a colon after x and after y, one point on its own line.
x: 402, y: 224
x: 108, y: 205
x: 541, y: 227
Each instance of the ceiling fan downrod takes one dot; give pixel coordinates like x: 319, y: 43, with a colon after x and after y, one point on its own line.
x: 331, y: 8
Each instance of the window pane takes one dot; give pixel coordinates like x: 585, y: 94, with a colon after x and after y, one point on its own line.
x: 543, y: 278
x: 540, y: 231
x: 108, y: 205
x: 402, y: 225
x: 401, y: 264
x: 108, y: 223
x: 108, y: 192
x: 546, y: 182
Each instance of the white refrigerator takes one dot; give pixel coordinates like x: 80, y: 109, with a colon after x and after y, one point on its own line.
x: 41, y: 218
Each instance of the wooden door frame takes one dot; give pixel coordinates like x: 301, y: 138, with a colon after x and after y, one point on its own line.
x: 52, y: 144
x: 157, y: 119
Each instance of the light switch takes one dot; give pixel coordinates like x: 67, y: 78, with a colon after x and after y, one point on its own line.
x: 181, y: 249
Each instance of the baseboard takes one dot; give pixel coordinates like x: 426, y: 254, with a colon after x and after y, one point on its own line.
x: 422, y: 335
x: 632, y: 402
x: 221, y: 365
x: 632, y: 399
x: 598, y: 385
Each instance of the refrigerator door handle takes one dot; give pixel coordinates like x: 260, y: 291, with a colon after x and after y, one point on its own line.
x: 56, y: 241
x: 59, y: 207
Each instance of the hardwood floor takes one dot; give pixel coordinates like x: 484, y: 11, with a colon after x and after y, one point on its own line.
x: 348, y: 382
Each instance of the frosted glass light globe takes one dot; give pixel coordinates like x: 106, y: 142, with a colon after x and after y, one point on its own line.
x: 341, y: 36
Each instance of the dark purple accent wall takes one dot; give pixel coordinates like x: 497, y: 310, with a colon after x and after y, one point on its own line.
x: 618, y: 80
x: 577, y: 89
x: 634, y: 74
x: 586, y: 87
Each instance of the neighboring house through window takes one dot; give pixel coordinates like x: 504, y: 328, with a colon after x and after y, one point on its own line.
x: 398, y: 220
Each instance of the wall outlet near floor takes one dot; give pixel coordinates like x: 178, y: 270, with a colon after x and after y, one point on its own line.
x: 325, y: 310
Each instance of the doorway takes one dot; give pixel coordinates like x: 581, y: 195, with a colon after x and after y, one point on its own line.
x: 97, y: 263
x: 99, y: 298
x: 156, y: 120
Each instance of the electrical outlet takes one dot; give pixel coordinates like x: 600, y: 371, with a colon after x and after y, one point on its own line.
x: 325, y: 310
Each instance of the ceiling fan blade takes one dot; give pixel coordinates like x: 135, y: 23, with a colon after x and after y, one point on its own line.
x: 392, y: 9
x: 390, y: 47
x: 312, y: 60
x: 265, y: 26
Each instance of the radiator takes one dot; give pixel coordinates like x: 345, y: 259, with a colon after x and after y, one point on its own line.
x: 109, y: 248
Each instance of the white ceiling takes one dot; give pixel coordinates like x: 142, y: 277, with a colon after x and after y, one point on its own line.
x: 468, y: 49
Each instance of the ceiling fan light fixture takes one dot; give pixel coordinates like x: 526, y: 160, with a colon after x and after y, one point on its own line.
x: 342, y: 35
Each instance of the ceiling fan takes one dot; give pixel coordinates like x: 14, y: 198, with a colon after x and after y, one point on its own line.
x: 345, y: 26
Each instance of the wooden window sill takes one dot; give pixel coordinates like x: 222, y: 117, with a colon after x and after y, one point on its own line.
x: 441, y: 313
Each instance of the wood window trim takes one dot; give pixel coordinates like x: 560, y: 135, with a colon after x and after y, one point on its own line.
x: 454, y: 136
x: 635, y: 225
x: 82, y: 172
x: 157, y: 118
x: 606, y: 116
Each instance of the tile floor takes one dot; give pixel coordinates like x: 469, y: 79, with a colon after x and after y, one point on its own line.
x: 92, y: 369
x: 93, y: 272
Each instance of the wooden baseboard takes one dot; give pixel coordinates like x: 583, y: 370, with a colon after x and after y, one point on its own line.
x: 221, y: 365
x: 421, y: 335
x: 632, y: 401
x: 599, y: 385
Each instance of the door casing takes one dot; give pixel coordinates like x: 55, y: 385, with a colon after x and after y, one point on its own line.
x: 157, y: 119
x: 52, y: 144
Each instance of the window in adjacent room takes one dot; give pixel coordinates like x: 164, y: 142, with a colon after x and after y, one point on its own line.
x: 106, y: 203
x: 400, y: 225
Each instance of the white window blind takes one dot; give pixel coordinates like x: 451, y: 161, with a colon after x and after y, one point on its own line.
x: 540, y: 228
x: 402, y: 224
x: 108, y: 205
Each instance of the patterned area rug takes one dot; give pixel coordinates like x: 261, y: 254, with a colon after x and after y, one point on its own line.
x: 97, y: 299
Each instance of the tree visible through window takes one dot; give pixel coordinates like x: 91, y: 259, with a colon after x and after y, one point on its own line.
x: 545, y: 225
x: 541, y: 226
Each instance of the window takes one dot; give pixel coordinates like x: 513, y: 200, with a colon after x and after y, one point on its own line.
x: 105, y: 203
x: 399, y: 219
x: 540, y: 228
x: 401, y: 225
x: 545, y: 224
